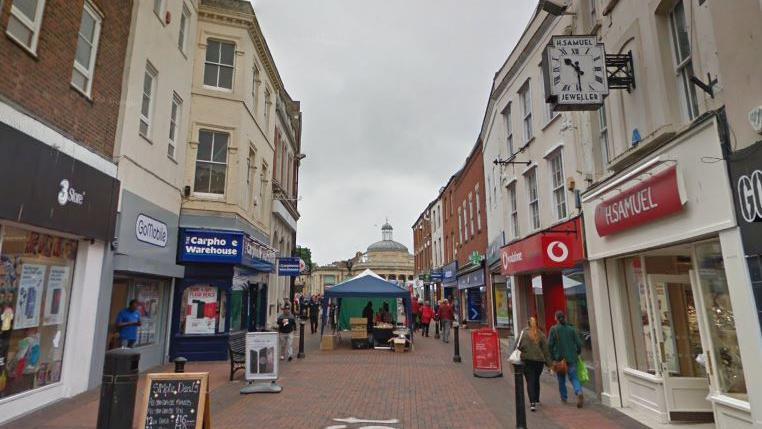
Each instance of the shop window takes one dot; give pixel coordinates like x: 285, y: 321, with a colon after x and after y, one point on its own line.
x: 35, y: 286
x: 641, y: 335
x: 576, y: 308
x: 504, y: 305
x: 211, y: 162
x: 721, y: 320
x: 237, y: 319
x: 218, y: 65
x: 204, y: 310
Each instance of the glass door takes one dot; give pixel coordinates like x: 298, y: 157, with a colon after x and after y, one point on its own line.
x: 679, y: 345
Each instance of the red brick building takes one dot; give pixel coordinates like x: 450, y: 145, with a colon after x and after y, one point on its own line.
x: 469, y: 223
x: 62, y: 68
x: 422, y: 252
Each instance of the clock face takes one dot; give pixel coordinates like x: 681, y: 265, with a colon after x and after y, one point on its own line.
x: 575, y: 71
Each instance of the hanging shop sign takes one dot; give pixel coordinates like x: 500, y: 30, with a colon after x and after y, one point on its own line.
x: 289, y: 267
x: 436, y: 276
x: 553, y: 249
x: 575, y: 73
x: 485, y: 353
x: 653, y: 198
x: 53, y: 190
x: 746, y: 178
x: 151, y: 231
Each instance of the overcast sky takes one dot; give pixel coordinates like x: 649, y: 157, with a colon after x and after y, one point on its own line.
x: 393, y: 93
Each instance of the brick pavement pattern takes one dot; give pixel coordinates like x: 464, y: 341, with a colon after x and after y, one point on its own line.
x: 419, y: 389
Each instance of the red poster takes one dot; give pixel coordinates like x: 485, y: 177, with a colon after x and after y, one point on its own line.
x: 653, y: 198
x: 485, y: 353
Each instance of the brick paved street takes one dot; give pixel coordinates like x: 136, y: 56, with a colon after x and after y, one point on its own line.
x: 423, y: 389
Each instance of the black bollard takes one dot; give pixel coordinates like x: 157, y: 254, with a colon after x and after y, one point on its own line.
x: 521, y: 411
x: 456, y: 356
x: 300, y: 355
x: 180, y: 364
x: 436, y: 329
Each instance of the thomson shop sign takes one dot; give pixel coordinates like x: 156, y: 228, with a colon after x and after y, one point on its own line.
x: 746, y: 179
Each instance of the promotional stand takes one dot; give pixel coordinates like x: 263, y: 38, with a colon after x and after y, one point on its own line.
x: 262, y: 363
x: 485, y: 353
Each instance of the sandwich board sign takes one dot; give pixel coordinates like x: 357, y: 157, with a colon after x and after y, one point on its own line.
x: 176, y: 400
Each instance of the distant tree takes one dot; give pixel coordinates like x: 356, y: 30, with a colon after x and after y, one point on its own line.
x: 306, y: 255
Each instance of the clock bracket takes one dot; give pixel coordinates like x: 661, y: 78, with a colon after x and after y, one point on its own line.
x: 620, y: 71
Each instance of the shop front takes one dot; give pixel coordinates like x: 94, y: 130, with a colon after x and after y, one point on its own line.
x: 662, y: 245
x: 57, y: 215
x: 450, y: 282
x: 224, y: 291
x: 547, y: 273
x: 145, y: 269
x: 501, y: 290
x: 473, y: 293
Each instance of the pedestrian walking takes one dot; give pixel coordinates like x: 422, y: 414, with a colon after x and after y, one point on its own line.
x: 418, y: 313
x: 535, y: 355
x: 314, y: 310
x: 286, y: 327
x: 427, y: 313
x: 415, y: 307
x: 446, y: 317
x: 565, y: 347
x: 367, y: 313
x: 127, y: 322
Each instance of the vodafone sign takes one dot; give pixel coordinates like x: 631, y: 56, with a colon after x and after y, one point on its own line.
x: 652, y: 199
x: 548, y: 250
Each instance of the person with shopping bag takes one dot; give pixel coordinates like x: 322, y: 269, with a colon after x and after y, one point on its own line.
x: 565, y: 347
x: 532, y: 350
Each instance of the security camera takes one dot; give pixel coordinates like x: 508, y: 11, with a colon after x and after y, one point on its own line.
x: 554, y: 7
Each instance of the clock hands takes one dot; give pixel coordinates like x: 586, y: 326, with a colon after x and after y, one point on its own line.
x: 575, y: 66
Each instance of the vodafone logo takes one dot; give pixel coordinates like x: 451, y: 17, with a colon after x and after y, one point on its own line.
x: 557, y: 251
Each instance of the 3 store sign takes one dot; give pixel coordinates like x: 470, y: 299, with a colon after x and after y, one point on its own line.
x: 750, y: 196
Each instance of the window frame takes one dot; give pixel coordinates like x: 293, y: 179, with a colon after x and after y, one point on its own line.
x: 555, y: 159
x: 182, y: 34
x: 211, y: 161
x: 683, y: 63
x: 256, y: 82
x: 507, y: 117
x: 525, y: 97
x: 34, y: 26
x: 514, y: 210
x: 175, y: 124
x: 219, y: 64
x: 268, y: 105
x: 533, y: 202
x: 460, y: 226
x: 161, y: 10
x: 147, y: 117
x: 471, y: 213
x: 478, y: 209
x: 603, y: 134
x: 89, y: 72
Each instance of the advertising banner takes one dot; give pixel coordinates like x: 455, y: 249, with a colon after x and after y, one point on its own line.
x: 475, y: 305
x: 29, y: 296
x: 55, y: 296
x: 503, y: 306
x: 262, y: 356
x: 289, y: 267
x: 201, y: 310
x: 485, y: 352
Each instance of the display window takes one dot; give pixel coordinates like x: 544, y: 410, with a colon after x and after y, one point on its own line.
x: 149, y: 294
x: 641, y: 334
x: 721, y: 320
x: 576, y: 308
x: 205, y: 310
x: 237, y: 302
x: 504, y: 305
x: 36, y: 272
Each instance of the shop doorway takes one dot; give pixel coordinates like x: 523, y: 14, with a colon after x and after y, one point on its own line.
x: 258, y: 306
x: 678, y: 335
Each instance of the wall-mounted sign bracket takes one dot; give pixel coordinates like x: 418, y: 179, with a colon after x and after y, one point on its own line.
x: 706, y: 87
x: 620, y: 71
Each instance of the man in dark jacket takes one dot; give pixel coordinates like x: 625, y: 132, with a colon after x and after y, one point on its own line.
x: 286, y: 327
x: 314, y: 309
x: 565, y: 345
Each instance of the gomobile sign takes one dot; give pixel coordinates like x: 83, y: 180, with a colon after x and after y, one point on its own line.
x: 553, y: 249
x: 654, y: 198
x: 746, y: 179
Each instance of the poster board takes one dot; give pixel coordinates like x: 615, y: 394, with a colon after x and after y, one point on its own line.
x: 29, y: 296
x: 175, y: 400
x: 201, y: 310
x: 485, y: 353
x: 262, y: 356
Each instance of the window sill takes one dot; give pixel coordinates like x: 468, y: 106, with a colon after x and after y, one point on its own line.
x: 146, y: 138
x: 218, y: 89
x: 208, y: 196
x: 27, y: 49
x: 172, y: 158
x: 82, y: 93
x: 158, y: 16
x: 550, y: 122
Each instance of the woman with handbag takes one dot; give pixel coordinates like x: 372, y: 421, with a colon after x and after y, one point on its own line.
x: 565, y: 348
x: 535, y: 355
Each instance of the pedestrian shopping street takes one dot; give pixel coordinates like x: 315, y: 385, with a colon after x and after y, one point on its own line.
x: 419, y: 389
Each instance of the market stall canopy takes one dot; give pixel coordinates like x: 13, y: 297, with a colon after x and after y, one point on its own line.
x: 367, y: 285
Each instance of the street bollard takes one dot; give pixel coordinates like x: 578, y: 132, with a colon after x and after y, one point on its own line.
x: 456, y: 356
x: 300, y: 355
x: 120, y: 385
x: 521, y: 411
x: 436, y: 329
x: 180, y: 364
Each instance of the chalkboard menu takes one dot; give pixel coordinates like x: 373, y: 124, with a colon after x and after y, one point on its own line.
x: 175, y: 401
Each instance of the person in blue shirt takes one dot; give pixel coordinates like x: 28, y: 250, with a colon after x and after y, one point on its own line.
x: 127, y: 322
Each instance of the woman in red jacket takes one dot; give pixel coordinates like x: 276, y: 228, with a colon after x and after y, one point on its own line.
x: 427, y: 313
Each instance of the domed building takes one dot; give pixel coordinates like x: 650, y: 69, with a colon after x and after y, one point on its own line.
x: 387, y: 258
